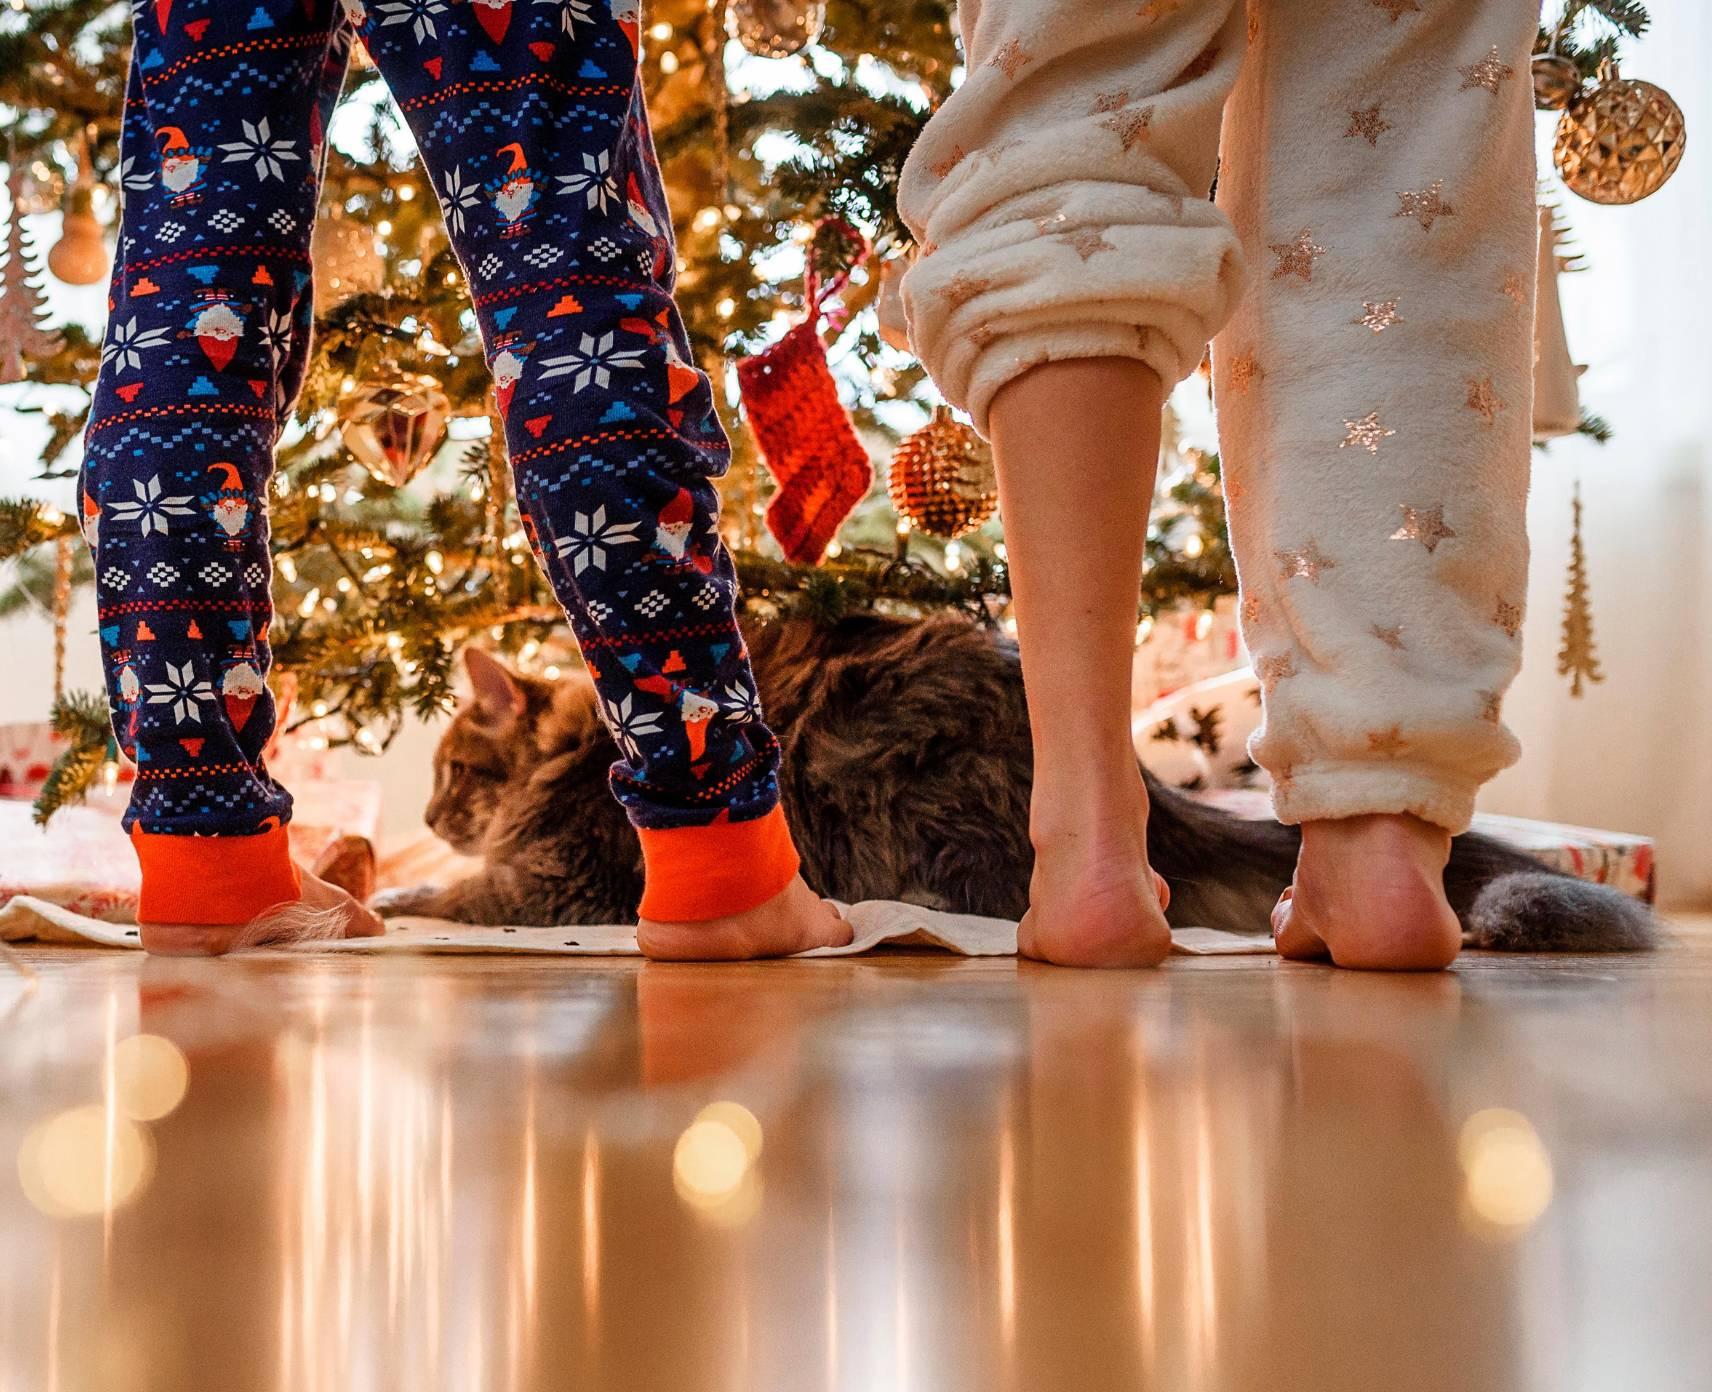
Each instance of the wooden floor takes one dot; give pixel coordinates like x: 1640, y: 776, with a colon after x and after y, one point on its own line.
x: 356, y: 1174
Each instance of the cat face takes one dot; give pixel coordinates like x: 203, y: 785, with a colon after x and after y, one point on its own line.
x: 486, y: 748
x: 498, y: 743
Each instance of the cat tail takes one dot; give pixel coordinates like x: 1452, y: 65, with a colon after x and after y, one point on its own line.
x: 1227, y: 872
x: 1509, y: 901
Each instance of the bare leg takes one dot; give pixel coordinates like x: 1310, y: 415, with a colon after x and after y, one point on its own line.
x: 1077, y: 445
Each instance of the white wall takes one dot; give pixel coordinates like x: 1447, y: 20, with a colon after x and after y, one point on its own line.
x: 1636, y: 751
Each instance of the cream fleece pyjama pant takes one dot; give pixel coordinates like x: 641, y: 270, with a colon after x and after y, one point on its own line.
x: 1368, y: 274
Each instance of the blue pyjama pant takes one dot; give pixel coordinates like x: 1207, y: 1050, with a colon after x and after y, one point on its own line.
x: 529, y: 115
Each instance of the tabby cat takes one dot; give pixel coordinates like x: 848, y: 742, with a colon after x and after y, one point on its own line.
x: 906, y: 776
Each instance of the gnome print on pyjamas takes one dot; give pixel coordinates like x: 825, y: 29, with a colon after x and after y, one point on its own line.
x: 628, y: 13
x: 494, y: 16
x: 229, y: 505
x: 515, y: 193
x: 217, y: 329
x: 507, y: 370
x: 240, y: 686
x: 130, y: 698
x: 681, y: 378
x: 694, y: 709
x: 183, y: 170
x: 672, y: 533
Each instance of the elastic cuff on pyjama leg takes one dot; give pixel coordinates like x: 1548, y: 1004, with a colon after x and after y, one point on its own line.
x: 214, y: 880
x: 1325, y: 792
x: 698, y: 873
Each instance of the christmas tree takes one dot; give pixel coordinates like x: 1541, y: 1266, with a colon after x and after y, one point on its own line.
x: 781, y: 128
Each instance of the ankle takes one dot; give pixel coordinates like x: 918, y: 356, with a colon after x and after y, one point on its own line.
x: 1088, y: 815
x: 1389, y: 834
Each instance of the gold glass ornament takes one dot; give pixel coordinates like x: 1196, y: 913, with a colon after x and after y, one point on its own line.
x: 1556, y: 81
x: 1619, y: 141
x: 777, y: 28
x: 942, y: 480
x: 394, y: 424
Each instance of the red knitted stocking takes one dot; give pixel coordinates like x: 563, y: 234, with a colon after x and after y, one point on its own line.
x: 805, y: 435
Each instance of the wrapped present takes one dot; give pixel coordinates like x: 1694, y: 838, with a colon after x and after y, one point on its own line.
x: 1185, y: 646
x: 27, y: 752
x: 1622, y: 860
x: 83, y: 859
x: 1197, y: 737
x: 1619, y: 859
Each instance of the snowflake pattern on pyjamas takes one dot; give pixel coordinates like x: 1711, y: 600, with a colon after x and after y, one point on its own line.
x: 532, y: 128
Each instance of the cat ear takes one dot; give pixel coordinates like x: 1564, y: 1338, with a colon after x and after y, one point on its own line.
x: 497, y: 691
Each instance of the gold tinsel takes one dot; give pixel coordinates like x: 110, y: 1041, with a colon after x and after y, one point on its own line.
x: 1619, y: 141
x: 942, y: 480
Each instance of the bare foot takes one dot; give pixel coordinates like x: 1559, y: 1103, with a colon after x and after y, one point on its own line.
x: 1369, y: 893
x: 794, y: 920
x: 1093, y: 900
x: 324, y: 911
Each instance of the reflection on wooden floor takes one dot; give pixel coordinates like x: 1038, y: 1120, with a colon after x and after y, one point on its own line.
x: 903, y: 1172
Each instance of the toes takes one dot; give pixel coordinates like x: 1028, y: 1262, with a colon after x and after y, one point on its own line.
x: 1163, y: 890
x: 1292, y: 934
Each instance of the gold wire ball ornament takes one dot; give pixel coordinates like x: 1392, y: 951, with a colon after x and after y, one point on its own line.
x: 776, y: 28
x: 1556, y: 81
x: 942, y: 480
x: 1619, y: 141
x: 394, y: 424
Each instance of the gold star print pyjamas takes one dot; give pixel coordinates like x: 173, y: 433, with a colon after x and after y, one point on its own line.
x: 1367, y: 271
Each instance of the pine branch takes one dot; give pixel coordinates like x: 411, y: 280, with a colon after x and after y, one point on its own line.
x: 81, y: 717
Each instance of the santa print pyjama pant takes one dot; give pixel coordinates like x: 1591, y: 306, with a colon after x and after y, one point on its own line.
x: 531, y: 123
x: 1368, y: 272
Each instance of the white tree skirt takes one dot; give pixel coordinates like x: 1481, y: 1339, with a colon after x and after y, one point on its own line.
x: 876, y: 922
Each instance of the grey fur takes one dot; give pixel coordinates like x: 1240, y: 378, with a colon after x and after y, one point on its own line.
x: 1533, y: 912
x: 906, y: 776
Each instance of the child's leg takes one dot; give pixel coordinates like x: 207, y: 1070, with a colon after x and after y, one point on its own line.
x: 1373, y: 396
x: 531, y: 122
x: 1077, y: 443
x: 1071, y: 268
x: 204, y: 347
